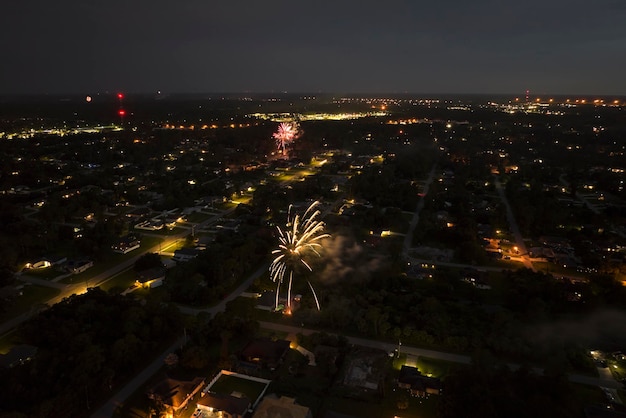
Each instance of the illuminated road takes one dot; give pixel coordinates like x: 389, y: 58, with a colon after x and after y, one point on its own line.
x: 519, y: 240
x: 79, y: 288
x: 492, y: 268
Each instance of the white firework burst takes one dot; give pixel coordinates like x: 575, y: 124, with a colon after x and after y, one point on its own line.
x: 299, y: 241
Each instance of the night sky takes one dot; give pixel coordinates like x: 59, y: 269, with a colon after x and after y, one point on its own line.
x: 343, y: 46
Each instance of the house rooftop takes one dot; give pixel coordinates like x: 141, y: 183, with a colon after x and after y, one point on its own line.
x: 151, y: 274
x: 175, y: 393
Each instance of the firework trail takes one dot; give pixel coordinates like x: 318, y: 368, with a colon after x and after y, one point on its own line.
x: 287, y: 133
x: 297, y: 242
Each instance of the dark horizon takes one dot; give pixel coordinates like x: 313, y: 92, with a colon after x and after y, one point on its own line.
x: 484, y: 46
x: 317, y: 94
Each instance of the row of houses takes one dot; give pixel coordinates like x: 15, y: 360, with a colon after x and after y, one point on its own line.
x: 61, y: 263
x: 257, y: 354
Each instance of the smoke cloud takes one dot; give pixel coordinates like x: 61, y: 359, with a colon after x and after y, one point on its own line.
x: 346, y: 260
x: 606, y: 328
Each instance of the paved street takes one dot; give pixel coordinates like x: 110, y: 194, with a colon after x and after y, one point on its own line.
x: 519, y: 240
x: 604, y: 381
x: 107, y: 410
x: 78, y: 288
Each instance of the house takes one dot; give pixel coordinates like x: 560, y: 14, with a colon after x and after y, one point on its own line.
x: 227, y: 406
x: 417, y: 384
x: 126, y: 244
x: 78, y: 266
x: 185, y: 254
x: 17, y: 355
x: 46, y: 262
x: 476, y: 278
x: 232, y: 225
x: 176, y: 394
x: 138, y: 212
x: 151, y: 278
x: 39, y: 264
x: 273, y: 407
x: 265, y: 352
x: 205, y: 241
x: 266, y: 301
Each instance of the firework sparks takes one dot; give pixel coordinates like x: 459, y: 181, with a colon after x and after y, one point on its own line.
x: 287, y: 133
x: 297, y: 243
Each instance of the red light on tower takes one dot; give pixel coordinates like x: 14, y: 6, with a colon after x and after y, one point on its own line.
x: 121, y: 112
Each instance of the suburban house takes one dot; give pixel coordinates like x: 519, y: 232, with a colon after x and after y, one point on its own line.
x: 139, y: 212
x: 78, y: 266
x: 264, y: 352
x: 46, y: 262
x: 151, y: 278
x: 272, y: 406
x: 126, y: 244
x: 185, y: 254
x: 417, y: 384
x: 228, y: 406
x: 232, y: 225
x: 176, y: 394
x: 202, y: 243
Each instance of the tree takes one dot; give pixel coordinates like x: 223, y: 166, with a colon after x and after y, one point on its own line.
x: 195, y: 357
x: 148, y: 261
x: 171, y: 360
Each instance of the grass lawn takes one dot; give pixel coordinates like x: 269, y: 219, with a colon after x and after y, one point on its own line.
x: 97, y: 268
x: 226, y: 385
x: 32, y: 295
x: 436, y: 368
x: 47, y: 273
x: 122, y: 280
x: 427, y: 366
